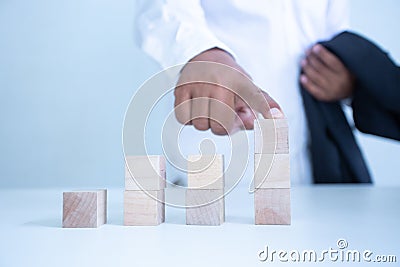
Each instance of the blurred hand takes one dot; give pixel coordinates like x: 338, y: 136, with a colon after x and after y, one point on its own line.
x: 324, y: 75
x: 203, y: 100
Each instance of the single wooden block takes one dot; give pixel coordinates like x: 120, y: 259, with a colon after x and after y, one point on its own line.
x: 144, y: 208
x: 146, y: 183
x: 272, y: 206
x: 206, y: 171
x: 84, y: 209
x: 271, y: 136
x: 211, y: 207
x: 271, y: 171
x: 146, y: 171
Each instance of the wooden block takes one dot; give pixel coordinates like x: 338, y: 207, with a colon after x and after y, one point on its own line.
x: 206, y: 171
x: 146, y: 183
x: 147, y: 171
x: 271, y: 136
x: 142, y: 209
x: 271, y: 171
x: 84, y: 209
x: 211, y: 211
x: 272, y: 206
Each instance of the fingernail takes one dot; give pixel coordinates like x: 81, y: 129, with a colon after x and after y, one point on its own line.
x: 303, y: 79
x: 303, y: 62
x: 317, y: 48
x: 276, y: 113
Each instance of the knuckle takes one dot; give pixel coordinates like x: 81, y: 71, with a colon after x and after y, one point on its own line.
x: 181, y: 90
x: 201, y: 125
x: 218, y: 129
x: 181, y: 118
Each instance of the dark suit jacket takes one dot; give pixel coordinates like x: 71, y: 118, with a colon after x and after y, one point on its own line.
x: 335, y: 155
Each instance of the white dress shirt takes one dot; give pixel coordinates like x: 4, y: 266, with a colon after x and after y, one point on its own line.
x: 268, y: 38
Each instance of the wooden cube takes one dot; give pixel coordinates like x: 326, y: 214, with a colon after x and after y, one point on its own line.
x: 272, y: 206
x: 144, y: 208
x: 271, y: 171
x: 205, y: 207
x: 146, y: 171
x: 84, y: 209
x: 271, y: 136
x: 206, y: 171
x: 146, y: 183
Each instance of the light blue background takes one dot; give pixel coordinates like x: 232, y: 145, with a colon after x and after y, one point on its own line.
x: 68, y: 69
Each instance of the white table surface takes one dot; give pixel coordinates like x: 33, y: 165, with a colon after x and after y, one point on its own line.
x: 367, y: 217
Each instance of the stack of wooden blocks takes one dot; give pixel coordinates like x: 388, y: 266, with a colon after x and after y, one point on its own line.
x: 84, y: 209
x: 271, y: 172
x: 205, y: 193
x: 144, y: 190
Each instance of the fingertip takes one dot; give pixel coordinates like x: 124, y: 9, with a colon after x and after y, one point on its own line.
x: 303, y: 79
x: 317, y: 48
x: 276, y: 113
x: 266, y: 114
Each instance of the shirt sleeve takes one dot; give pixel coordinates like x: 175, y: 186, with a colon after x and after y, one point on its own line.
x: 338, y: 17
x: 174, y: 31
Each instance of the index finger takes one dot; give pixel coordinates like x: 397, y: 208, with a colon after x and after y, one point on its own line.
x: 257, y: 99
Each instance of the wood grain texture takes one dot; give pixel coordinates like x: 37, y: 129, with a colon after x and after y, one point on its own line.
x: 272, y: 171
x: 141, y: 209
x: 147, y: 171
x: 272, y: 206
x: 84, y: 209
x: 147, y: 183
x: 271, y: 136
x: 206, y: 171
x: 211, y: 211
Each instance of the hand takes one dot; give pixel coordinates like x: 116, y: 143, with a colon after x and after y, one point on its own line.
x: 203, y: 100
x: 324, y: 75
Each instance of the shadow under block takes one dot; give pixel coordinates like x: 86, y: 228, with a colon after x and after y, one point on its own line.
x: 84, y: 209
x: 272, y: 206
x: 206, y: 171
x: 141, y: 209
x: 271, y: 136
x: 147, y: 171
x: 209, y: 207
x: 271, y: 171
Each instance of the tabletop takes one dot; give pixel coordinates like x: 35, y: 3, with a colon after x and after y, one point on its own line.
x: 330, y: 223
